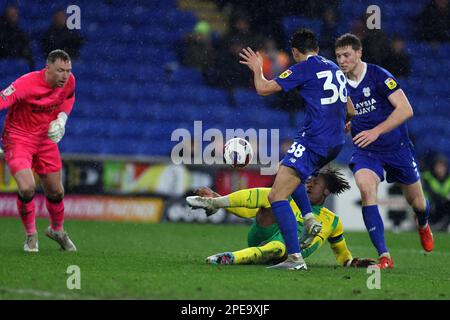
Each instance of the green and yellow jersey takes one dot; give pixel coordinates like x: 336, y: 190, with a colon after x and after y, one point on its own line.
x: 267, y: 243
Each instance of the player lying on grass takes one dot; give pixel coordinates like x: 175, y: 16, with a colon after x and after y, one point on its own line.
x: 266, y: 244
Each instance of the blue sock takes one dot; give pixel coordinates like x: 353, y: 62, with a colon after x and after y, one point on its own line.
x: 374, y: 224
x: 300, y: 197
x: 422, y: 217
x: 288, y: 225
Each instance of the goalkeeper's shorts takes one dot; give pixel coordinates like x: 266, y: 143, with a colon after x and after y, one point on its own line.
x: 41, y: 155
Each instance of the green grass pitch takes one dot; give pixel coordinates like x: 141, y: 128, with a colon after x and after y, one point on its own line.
x: 166, y: 261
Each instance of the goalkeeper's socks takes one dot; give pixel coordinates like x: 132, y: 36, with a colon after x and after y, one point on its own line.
x: 56, y: 211
x: 27, y: 215
x: 422, y: 216
x: 288, y: 225
x: 375, y: 227
x: 300, y: 197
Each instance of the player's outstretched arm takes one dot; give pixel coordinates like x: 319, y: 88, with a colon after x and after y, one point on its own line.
x: 254, y: 62
x: 309, y: 249
x: 342, y: 253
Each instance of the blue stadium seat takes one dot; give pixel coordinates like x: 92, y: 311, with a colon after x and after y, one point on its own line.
x: 93, y: 128
x: 418, y: 49
x: 184, y: 75
x: 213, y: 97
x: 123, y: 129
x: 245, y: 97
x: 291, y: 23
x: 13, y: 67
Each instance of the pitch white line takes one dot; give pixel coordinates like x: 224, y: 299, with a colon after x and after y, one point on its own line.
x: 43, y: 294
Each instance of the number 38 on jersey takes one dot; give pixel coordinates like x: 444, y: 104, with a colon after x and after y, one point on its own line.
x: 337, y: 93
x: 296, y: 149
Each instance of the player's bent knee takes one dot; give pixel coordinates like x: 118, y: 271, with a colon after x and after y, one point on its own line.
x: 368, y: 193
x: 274, y: 196
x: 271, y: 197
x: 265, y: 218
x: 418, y: 204
x: 55, y: 196
x: 26, y: 194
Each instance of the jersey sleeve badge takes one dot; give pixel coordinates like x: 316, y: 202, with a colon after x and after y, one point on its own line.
x: 7, y: 92
x: 391, y: 84
x: 285, y: 74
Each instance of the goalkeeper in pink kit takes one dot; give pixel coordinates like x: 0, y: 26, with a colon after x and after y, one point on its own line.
x: 39, y: 103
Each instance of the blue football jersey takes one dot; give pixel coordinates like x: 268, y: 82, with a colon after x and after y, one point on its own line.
x: 323, y: 87
x: 370, y: 98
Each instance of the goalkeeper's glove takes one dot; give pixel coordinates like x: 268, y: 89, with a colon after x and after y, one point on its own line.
x: 359, y: 263
x: 57, y: 129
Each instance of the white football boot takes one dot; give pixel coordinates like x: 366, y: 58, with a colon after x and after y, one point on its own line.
x: 221, y: 258
x: 197, y: 202
x: 31, y: 243
x: 293, y: 262
x: 62, y: 238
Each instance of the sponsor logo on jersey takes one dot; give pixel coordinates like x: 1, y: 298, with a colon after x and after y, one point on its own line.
x: 285, y: 74
x: 44, y: 109
x: 8, y: 91
x: 366, y: 92
x: 366, y: 106
x: 391, y: 84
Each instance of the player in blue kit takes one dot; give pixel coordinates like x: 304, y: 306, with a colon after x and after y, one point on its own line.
x: 380, y: 136
x: 323, y: 86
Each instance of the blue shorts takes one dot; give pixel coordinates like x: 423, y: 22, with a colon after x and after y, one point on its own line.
x: 308, y: 161
x: 400, y: 165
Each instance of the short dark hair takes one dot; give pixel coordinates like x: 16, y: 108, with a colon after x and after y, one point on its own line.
x: 57, y: 54
x: 334, y: 180
x: 304, y: 40
x: 348, y: 39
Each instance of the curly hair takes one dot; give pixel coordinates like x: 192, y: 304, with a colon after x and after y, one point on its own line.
x: 334, y: 180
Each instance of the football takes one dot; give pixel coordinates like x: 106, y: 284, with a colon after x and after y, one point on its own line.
x: 238, y: 153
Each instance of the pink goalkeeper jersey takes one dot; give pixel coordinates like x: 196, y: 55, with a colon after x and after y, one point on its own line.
x: 33, y: 104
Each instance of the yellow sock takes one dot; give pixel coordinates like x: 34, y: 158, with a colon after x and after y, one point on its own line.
x: 246, y: 203
x: 254, y: 255
x: 250, y: 198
